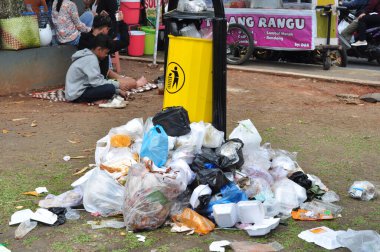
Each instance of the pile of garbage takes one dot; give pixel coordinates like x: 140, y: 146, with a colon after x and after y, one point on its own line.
x: 167, y: 168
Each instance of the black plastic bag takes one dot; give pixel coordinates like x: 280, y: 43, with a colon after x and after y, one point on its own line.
x: 61, y: 213
x: 214, y: 177
x: 230, y: 155
x: 301, y: 179
x: 206, y: 159
x: 174, y: 120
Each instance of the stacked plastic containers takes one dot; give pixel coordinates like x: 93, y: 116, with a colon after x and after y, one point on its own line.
x: 131, y: 15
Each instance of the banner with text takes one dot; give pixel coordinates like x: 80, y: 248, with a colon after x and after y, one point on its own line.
x: 288, y: 31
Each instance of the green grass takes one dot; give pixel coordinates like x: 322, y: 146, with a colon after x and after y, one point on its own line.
x: 196, y: 249
x: 82, y: 238
x: 28, y: 241
x: 62, y: 246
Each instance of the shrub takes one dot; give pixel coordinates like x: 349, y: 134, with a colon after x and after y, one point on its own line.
x: 11, y: 8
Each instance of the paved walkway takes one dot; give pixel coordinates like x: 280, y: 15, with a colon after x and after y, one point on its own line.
x: 335, y: 74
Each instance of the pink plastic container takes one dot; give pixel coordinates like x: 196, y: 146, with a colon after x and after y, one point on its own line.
x: 136, y: 43
x: 131, y: 11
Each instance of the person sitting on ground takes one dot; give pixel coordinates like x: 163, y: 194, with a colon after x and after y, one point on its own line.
x: 84, y: 81
x: 102, y: 25
x: 359, y: 6
x: 67, y: 22
x: 370, y: 18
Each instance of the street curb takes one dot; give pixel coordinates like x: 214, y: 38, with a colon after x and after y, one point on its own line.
x: 310, y: 76
x: 279, y: 73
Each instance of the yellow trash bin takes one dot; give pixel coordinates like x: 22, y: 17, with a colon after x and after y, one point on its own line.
x: 188, y: 78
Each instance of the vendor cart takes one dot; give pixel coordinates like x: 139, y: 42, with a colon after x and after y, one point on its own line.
x: 287, y: 25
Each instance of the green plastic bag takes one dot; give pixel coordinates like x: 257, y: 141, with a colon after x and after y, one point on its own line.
x: 19, y: 33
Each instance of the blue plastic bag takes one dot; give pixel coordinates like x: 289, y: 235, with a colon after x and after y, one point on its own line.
x: 155, y: 146
x: 230, y: 194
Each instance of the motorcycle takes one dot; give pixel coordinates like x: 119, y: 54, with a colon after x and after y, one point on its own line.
x: 371, y: 51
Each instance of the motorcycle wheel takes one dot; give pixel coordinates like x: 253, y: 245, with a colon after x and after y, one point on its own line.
x: 239, y: 44
x: 326, y: 62
x: 341, y: 59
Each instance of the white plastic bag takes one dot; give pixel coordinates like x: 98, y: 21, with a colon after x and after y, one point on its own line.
x: 67, y: 199
x: 288, y: 194
x: 194, y: 138
x: 185, y: 175
x: 186, y: 153
x: 363, y: 190
x: 213, y: 138
x: 191, y: 5
x: 102, y: 194
x: 247, y: 132
x: 133, y: 129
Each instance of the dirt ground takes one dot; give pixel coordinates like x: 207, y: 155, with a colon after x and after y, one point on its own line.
x: 338, y: 142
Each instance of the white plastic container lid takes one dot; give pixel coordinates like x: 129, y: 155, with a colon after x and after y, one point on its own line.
x: 20, y: 216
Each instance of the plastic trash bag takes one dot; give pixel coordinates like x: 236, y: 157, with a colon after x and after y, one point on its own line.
x: 103, y: 194
x: 259, y: 188
x: 207, y: 158
x: 215, y: 178
x: 259, y: 157
x: 133, y: 129
x: 185, y: 175
x: 288, y: 194
x: 194, y: 138
x: 181, y: 202
x: 175, y: 121
x: 320, y: 207
x: 191, y: 219
x: 119, y: 160
x: 186, y: 153
x: 363, y: 190
x: 230, y: 194
x: 284, y: 162
x: 155, y: 146
x: 317, y: 182
x: 72, y: 214
x: 213, y: 138
x: 330, y: 196
x: 278, y: 173
x: 61, y: 214
x: 24, y: 228
x: 258, y: 172
x: 148, y: 198
x: 247, y: 132
x: 360, y: 241
x: 301, y: 179
x: 272, y: 207
x: 67, y: 199
x: 191, y: 6
x: 230, y: 155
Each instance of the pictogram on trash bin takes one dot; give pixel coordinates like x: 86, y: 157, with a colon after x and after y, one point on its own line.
x: 175, y: 77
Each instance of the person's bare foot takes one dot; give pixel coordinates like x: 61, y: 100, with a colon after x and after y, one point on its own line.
x: 141, y: 82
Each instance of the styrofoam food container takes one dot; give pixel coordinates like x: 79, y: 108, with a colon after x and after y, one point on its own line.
x: 263, y: 228
x: 225, y: 214
x: 251, y: 211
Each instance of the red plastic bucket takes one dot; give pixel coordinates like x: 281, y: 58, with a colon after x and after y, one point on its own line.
x: 136, y: 43
x: 131, y: 11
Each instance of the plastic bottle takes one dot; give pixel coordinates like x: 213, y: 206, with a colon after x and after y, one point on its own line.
x: 43, y: 17
x: 24, y: 228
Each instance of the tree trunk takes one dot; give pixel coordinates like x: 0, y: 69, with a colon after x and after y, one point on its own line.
x: 11, y: 8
